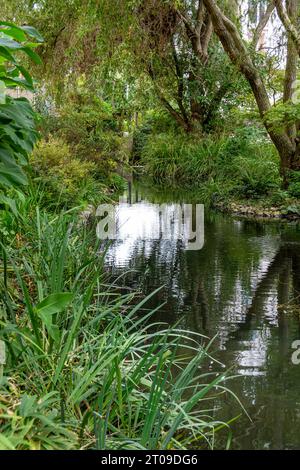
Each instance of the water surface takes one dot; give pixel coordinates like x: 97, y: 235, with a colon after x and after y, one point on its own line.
x: 244, y: 287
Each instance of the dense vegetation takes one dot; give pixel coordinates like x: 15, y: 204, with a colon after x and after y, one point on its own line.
x: 184, y: 91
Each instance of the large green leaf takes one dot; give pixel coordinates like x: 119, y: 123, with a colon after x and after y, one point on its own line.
x: 54, y: 303
x: 32, y: 32
x: 20, y: 111
x: 9, y: 43
x: 6, y: 155
x: 12, y: 30
x: 33, y: 55
x: 14, y: 82
x: 4, y: 52
x: 11, y: 203
x: 12, y: 175
x: 26, y: 75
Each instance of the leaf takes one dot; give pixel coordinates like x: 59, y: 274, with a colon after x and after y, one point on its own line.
x: 54, y: 303
x: 11, y: 203
x: 12, y: 175
x: 9, y: 43
x: 12, y: 30
x: 6, y: 54
x: 33, y: 55
x: 32, y: 32
x: 26, y: 75
x: 5, y: 443
x: 27, y: 405
x: 2, y: 92
x: 6, y: 156
x: 17, y: 82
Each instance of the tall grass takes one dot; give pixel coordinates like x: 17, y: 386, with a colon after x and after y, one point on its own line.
x: 245, y: 166
x: 83, y: 369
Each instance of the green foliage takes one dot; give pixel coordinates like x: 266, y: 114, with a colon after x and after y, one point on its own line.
x: 17, y: 137
x: 67, y: 180
x: 116, y: 182
x: 91, y: 131
x: 13, y: 40
x: 32, y: 422
x: 282, y: 115
x: 82, y: 148
x: 257, y: 176
x: 83, y: 370
x: 244, y: 164
x: 294, y: 187
x: 153, y: 123
x: 17, y: 122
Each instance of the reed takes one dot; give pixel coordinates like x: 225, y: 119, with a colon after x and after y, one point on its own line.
x: 85, y: 369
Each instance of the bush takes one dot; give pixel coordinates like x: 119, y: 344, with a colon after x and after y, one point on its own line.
x: 68, y: 181
x: 154, y: 123
x: 294, y: 187
x: 245, y: 164
x: 88, y: 126
x: 255, y: 176
x: 116, y: 182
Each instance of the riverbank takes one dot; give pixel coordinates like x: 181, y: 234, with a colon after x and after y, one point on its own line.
x: 263, y: 208
x: 258, y: 210
x: 238, y: 173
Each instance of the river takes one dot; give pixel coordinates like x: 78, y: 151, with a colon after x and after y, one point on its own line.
x: 244, y: 287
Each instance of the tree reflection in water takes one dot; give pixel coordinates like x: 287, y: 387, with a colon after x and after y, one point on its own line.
x: 240, y: 287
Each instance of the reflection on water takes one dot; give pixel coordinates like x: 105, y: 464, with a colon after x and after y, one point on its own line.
x: 240, y: 286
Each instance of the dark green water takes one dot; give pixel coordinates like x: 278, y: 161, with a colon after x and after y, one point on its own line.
x: 244, y: 287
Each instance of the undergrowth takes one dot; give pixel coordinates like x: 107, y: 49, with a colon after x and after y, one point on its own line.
x: 83, y: 370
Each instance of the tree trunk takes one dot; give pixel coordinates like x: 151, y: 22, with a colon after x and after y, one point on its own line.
x: 286, y: 145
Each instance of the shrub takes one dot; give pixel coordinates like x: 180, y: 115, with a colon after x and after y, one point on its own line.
x: 294, y: 187
x: 67, y: 180
x: 88, y: 126
x: 279, y: 197
x: 92, y: 132
x: 256, y: 176
x: 154, y: 123
x: 238, y: 164
x: 49, y: 154
x: 116, y: 182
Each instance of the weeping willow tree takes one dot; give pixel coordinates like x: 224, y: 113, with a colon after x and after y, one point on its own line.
x: 142, y: 50
x: 195, y: 57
